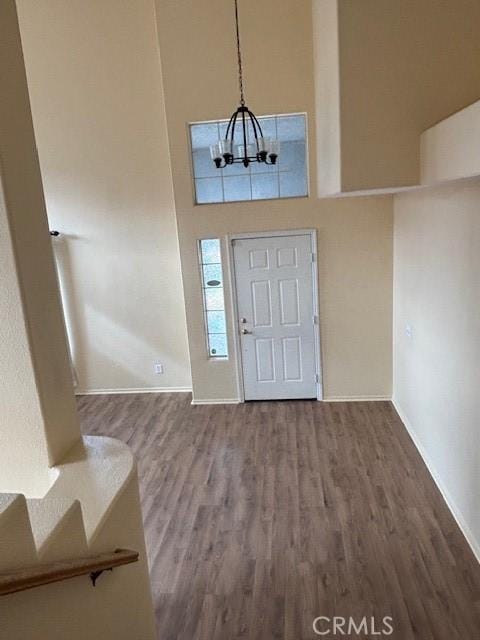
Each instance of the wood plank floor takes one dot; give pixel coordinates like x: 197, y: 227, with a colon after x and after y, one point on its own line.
x: 262, y: 516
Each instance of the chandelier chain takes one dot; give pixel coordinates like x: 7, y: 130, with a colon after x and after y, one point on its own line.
x: 239, y: 54
x: 260, y: 149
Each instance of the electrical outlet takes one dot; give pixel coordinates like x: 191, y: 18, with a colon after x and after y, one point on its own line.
x: 158, y: 368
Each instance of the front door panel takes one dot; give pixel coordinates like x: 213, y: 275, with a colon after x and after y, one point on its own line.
x: 274, y: 284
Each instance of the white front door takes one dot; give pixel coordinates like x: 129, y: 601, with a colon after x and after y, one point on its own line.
x: 275, y: 304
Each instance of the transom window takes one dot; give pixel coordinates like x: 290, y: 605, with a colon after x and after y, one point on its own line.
x: 286, y: 179
x: 213, y: 298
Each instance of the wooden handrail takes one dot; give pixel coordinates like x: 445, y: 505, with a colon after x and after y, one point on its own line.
x: 30, y: 577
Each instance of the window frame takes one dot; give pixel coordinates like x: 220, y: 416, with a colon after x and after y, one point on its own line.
x: 230, y: 202
x: 201, y: 264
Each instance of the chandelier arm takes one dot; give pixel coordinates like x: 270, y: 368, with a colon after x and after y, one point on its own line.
x: 239, y: 56
x: 232, y: 134
x: 232, y: 119
x: 257, y: 129
x: 244, y: 126
x: 254, y: 117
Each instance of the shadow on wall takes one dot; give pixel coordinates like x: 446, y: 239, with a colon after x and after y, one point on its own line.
x: 101, y: 345
x: 116, y: 339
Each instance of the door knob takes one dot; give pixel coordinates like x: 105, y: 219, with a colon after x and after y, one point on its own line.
x: 243, y: 320
x: 245, y: 331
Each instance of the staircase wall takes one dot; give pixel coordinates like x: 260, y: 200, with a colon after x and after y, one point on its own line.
x: 119, y: 607
x: 38, y: 421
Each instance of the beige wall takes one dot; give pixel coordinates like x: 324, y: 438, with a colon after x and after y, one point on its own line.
x: 403, y: 65
x: 327, y: 95
x: 98, y: 113
x: 355, y: 281
x: 436, y: 370
x: 38, y: 422
x: 98, y: 110
x: 24, y: 458
x: 355, y: 236
x: 449, y: 150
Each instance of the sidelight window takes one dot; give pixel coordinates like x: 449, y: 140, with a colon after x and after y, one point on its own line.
x: 213, y: 297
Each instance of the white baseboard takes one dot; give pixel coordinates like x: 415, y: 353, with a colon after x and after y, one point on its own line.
x: 217, y: 401
x: 464, y: 528
x: 357, y: 399
x: 97, y: 392
x: 331, y: 399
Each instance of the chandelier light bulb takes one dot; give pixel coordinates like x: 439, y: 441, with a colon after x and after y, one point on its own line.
x: 215, y: 151
x: 226, y: 150
x: 216, y: 155
x: 263, y: 144
x: 274, y: 150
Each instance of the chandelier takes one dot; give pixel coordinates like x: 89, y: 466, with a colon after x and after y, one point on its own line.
x: 261, y: 149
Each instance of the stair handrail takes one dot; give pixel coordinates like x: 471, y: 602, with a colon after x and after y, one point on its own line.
x: 25, y: 578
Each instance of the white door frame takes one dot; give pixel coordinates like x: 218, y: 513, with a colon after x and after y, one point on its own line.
x: 234, y: 300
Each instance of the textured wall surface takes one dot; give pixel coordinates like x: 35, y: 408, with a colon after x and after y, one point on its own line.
x: 38, y: 417
x: 97, y: 101
x: 437, y: 337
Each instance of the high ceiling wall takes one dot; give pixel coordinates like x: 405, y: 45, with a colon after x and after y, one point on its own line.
x: 437, y: 338
x: 98, y: 110
x: 38, y: 422
x: 197, y: 48
x: 400, y: 67
x: 117, y: 176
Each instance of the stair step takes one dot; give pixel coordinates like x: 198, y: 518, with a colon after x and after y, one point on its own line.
x: 17, y: 545
x: 58, y: 528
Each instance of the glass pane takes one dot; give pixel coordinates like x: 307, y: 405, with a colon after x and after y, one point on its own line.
x: 263, y: 167
x: 237, y: 188
x: 216, y: 322
x: 291, y: 128
x: 236, y: 169
x: 210, y: 250
x: 212, y: 275
x: 269, y: 127
x: 222, y: 129
x: 209, y: 190
x: 265, y: 186
x: 214, y: 299
x: 203, y: 165
x: 292, y: 157
x: 218, y: 345
x: 292, y: 184
x: 203, y: 135
x: 216, y: 328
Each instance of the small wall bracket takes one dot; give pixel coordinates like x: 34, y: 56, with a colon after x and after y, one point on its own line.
x: 94, y: 575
